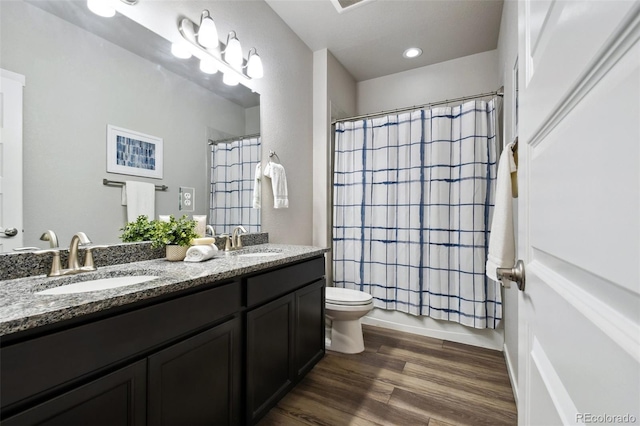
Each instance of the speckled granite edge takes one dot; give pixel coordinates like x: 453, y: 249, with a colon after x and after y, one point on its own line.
x: 27, y: 264
x: 21, y: 308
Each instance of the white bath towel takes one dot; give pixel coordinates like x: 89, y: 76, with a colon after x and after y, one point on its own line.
x: 278, y: 177
x: 257, y: 191
x: 201, y: 253
x: 502, y: 246
x: 140, y: 199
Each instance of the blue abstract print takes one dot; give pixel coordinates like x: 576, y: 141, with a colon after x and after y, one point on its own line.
x: 135, y: 153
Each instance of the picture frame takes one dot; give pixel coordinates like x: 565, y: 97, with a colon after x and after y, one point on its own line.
x: 134, y: 153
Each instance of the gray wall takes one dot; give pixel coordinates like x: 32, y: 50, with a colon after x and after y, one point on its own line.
x: 74, y: 91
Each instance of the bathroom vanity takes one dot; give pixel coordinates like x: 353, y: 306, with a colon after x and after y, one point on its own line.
x: 218, y: 342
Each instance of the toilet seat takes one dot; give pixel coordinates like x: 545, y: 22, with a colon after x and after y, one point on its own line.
x: 346, y: 297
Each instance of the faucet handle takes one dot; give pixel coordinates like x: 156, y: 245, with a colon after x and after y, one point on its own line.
x: 56, y: 266
x: 88, y: 257
x: 227, y: 244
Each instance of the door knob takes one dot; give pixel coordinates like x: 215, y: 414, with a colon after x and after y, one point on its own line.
x: 515, y: 274
x: 8, y: 232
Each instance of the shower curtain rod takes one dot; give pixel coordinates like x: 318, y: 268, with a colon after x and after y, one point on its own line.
x: 235, y: 138
x: 499, y: 92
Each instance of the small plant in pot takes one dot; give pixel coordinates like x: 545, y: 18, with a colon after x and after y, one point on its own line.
x: 175, y: 235
x: 139, y: 230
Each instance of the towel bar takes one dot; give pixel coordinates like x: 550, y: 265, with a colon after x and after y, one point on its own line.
x: 119, y: 183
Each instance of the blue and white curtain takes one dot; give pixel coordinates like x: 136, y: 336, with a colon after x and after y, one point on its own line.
x: 413, y: 198
x: 233, y: 166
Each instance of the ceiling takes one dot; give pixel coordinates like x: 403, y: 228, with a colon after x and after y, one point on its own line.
x: 368, y: 39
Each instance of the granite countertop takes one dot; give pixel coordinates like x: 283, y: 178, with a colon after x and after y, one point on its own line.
x: 21, y: 309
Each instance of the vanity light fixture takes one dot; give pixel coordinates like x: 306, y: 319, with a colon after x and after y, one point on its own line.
x: 254, y: 64
x: 412, y: 52
x: 208, y: 66
x: 209, y: 52
x: 233, y: 51
x: 180, y: 50
x: 207, y: 33
x: 230, y: 79
x: 101, y: 8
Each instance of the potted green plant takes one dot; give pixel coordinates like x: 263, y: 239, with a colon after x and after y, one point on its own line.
x: 140, y: 230
x: 175, y: 235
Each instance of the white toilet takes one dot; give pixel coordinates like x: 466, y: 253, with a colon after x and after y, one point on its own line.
x: 345, y: 307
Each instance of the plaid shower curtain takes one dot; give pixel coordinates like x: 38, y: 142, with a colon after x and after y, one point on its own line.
x: 233, y: 166
x: 413, y: 198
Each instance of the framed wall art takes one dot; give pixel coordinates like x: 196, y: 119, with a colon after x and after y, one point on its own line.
x: 133, y: 153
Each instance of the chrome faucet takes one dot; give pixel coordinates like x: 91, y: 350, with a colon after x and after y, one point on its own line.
x: 50, y: 236
x: 210, y: 231
x: 236, y: 242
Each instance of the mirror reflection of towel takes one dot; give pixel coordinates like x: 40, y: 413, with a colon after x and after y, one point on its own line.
x: 257, y: 191
x: 140, y: 199
x: 278, y: 177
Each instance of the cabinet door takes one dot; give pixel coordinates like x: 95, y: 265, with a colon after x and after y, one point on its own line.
x: 270, y: 366
x: 118, y: 398
x: 309, y: 327
x: 197, y: 381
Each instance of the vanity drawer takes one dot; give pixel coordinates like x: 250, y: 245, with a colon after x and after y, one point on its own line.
x: 264, y: 287
x: 43, y: 363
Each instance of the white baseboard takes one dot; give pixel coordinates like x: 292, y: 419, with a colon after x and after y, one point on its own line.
x: 468, y: 338
x: 512, y: 373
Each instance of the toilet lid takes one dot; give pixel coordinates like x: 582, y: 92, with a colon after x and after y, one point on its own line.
x: 345, y: 296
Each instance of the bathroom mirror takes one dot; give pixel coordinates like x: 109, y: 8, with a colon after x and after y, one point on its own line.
x: 83, y: 73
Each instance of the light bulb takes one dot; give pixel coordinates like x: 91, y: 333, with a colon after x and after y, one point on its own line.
x: 208, y: 66
x: 230, y: 80
x: 233, y: 52
x: 180, y: 50
x: 254, y: 66
x: 412, y: 52
x: 101, y: 8
x: 207, y: 33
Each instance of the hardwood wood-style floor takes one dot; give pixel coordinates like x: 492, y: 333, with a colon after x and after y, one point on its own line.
x: 402, y: 379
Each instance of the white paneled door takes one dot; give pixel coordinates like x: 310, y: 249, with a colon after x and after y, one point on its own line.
x: 11, y: 86
x: 579, y: 212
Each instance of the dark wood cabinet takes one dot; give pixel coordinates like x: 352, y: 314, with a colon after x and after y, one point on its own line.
x: 197, y: 381
x: 221, y: 355
x: 309, y: 327
x: 285, y: 336
x: 270, y: 341
x: 118, y: 398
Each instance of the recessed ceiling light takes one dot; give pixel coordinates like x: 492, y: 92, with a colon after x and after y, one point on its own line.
x: 412, y: 52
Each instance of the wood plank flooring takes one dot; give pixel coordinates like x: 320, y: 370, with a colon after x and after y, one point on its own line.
x: 402, y: 379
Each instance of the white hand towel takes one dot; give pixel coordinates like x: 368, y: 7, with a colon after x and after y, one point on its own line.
x: 278, y: 177
x: 502, y: 246
x: 201, y: 253
x: 140, y: 199
x: 257, y: 191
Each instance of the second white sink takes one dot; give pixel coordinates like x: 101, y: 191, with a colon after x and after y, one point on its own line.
x: 97, y: 285
x: 259, y: 254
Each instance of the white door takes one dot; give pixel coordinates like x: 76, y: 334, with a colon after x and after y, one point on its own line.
x: 579, y: 212
x: 11, y: 86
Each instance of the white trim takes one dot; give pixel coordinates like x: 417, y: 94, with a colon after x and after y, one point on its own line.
x: 511, y: 371
x: 623, y: 331
x: 561, y: 399
x: 13, y: 76
x: 452, y: 336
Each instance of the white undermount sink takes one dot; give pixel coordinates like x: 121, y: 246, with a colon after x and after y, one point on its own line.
x: 259, y: 254
x: 99, y: 284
